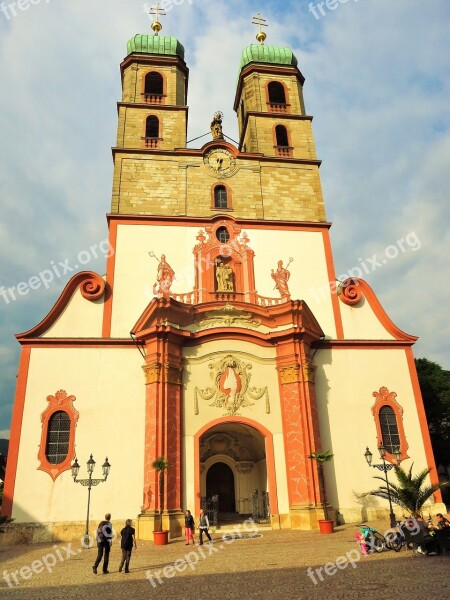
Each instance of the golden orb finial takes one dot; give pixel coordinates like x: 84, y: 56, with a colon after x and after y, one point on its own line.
x: 156, y: 25
x: 261, y: 35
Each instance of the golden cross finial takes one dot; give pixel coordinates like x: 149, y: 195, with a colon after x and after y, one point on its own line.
x: 261, y: 35
x: 156, y: 25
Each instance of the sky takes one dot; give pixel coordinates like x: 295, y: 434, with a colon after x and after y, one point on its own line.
x: 377, y: 84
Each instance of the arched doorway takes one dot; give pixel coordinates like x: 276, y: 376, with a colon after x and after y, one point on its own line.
x: 220, y: 481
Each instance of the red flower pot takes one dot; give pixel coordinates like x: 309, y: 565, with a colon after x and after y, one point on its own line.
x: 161, y: 538
x: 326, y: 526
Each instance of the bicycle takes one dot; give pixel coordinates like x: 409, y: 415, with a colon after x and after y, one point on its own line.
x: 375, y: 541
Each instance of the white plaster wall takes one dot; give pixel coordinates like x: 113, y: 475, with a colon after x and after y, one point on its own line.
x: 345, y: 381
x: 80, y: 318
x: 135, y: 270
x: 360, y: 322
x: 309, y: 279
x: 109, y: 388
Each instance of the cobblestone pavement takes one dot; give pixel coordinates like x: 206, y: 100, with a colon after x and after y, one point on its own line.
x: 274, y: 565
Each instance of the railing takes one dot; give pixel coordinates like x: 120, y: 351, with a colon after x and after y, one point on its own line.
x: 279, y: 107
x: 188, y: 298
x: 260, y: 507
x: 285, y: 151
x: 153, y: 98
x: 151, y: 142
x: 263, y: 301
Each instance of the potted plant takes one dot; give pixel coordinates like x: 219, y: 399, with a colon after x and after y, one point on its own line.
x: 161, y: 536
x: 325, y: 524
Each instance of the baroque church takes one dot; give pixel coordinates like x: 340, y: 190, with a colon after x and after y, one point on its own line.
x: 219, y: 337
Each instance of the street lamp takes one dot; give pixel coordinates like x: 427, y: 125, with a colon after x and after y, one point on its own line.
x: 385, y: 468
x: 89, y: 483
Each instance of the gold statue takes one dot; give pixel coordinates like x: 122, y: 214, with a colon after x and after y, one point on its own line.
x: 216, y: 126
x: 224, y: 276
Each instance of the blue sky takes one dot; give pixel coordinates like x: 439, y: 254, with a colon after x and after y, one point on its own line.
x: 377, y: 83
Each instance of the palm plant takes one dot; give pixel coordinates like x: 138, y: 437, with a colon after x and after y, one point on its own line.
x: 321, y: 458
x: 160, y: 465
x: 411, y: 492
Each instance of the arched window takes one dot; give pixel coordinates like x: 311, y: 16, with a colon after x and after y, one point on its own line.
x: 152, y: 127
x: 220, y: 197
x: 281, y: 135
x: 153, y: 88
x: 276, y: 93
x: 151, y: 132
x: 388, y: 416
x: 389, y: 429
x: 282, y: 147
x: 58, y: 433
x: 222, y: 235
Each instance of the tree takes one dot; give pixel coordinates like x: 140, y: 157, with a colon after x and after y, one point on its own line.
x: 321, y: 458
x: 435, y: 387
x: 411, y: 492
x: 161, y: 465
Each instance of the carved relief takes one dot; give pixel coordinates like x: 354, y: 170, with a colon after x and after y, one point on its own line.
x: 230, y: 316
x: 232, y: 390
x: 289, y: 373
x: 244, y: 467
x: 152, y: 373
x: 172, y: 373
x: 309, y: 371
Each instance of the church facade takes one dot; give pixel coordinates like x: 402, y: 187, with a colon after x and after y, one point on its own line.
x: 219, y: 337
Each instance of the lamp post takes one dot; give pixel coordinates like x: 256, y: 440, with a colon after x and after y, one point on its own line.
x: 89, y: 483
x: 385, y: 468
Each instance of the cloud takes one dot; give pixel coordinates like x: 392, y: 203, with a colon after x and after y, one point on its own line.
x: 375, y: 82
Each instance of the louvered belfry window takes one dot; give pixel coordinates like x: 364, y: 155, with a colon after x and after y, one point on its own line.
x: 389, y: 429
x: 58, y: 434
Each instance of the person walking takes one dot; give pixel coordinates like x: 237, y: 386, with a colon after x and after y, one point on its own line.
x: 203, y: 526
x: 189, y: 526
x: 128, y: 540
x: 104, y: 541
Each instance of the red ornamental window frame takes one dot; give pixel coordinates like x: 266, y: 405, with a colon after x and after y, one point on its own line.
x: 386, y: 398
x: 60, y: 402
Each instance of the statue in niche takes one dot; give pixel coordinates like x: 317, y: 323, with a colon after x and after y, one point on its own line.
x: 164, y: 278
x: 224, y: 276
x: 216, y: 126
x: 281, y: 277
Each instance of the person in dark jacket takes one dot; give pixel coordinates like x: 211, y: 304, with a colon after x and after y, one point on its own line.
x: 104, y: 541
x: 128, y: 540
x: 189, y: 527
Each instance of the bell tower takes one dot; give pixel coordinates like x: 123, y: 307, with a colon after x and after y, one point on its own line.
x: 153, y: 114
x: 269, y: 102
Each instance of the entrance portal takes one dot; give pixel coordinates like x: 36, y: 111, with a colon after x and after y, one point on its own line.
x: 220, y: 482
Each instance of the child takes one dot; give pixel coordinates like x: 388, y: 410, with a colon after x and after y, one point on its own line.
x: 189, y: 526
x: 361, y: 539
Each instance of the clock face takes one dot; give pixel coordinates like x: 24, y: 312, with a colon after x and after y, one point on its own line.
x: 220, y: 163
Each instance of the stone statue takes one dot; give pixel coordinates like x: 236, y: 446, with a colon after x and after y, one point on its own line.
x: 216, y: 126
x: 164, y: 278
x: 281, y: 277
x: 224, y: 276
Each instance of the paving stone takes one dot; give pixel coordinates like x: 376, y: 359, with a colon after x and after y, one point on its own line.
x: 274, y: 565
